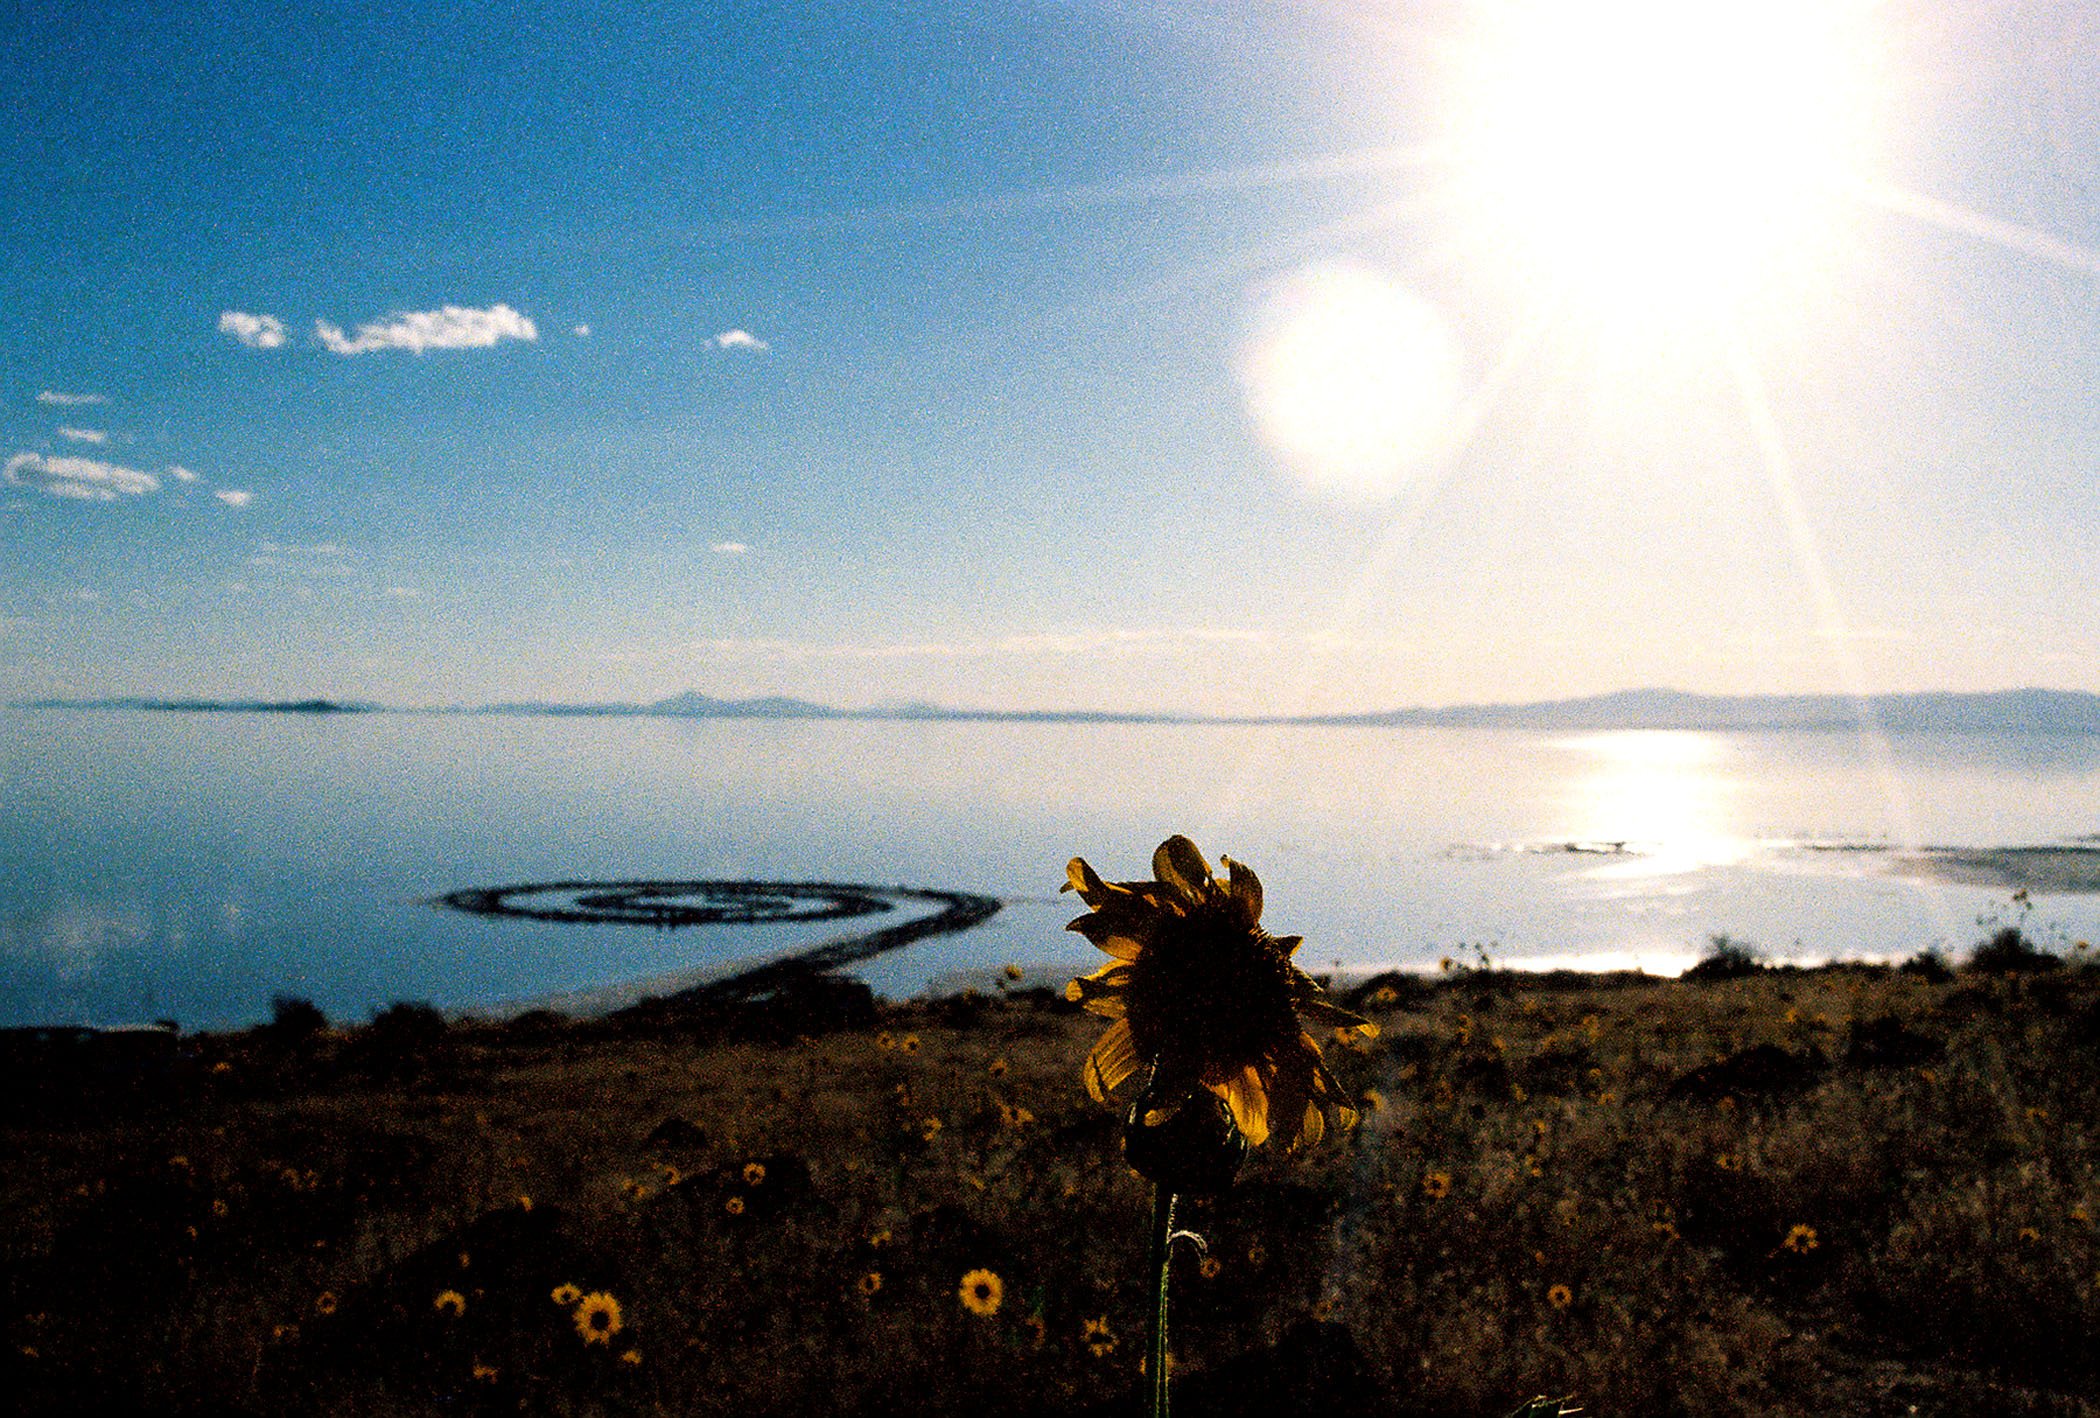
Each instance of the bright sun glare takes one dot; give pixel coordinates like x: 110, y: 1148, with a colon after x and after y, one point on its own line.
x: 1660, y: 159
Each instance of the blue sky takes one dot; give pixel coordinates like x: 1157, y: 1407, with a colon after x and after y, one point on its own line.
x: 1248, y: 358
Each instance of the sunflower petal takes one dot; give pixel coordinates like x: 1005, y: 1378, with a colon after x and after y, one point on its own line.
x: 1092, y: 889
x: 1289, y: 944
x: 1312, y: 1002
x: 1245, y: 889
x: 1102, y: 991
x: 1249, y: 1102
x: 1113, y: 1060
x: 1118, y: 936
x: 1180, y: 866
x: 1313, y: 1128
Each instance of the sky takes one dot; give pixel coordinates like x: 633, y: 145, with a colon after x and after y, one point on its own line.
x: 1241, y: 358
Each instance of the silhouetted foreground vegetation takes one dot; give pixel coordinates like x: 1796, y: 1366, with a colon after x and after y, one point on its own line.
x: 1848, y: 1191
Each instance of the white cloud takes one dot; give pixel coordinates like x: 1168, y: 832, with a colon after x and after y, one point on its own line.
x: 729, y: 548
x: 454, y: 327
x: 257, y: 332
x: 233, y: 497
x: 182, y: 475
x: 80, y: 478
x: 582, y: 332
x: 739, y: 340
x: 70, y: 401
x: 83, y: 435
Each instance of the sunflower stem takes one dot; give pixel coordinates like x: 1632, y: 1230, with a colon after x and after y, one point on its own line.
x: 1162, y: 1259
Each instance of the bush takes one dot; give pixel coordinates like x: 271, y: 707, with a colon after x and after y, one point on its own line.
x: 404, y: 1040
x: 2010, y: 952
x: 1726, y: 959
x: 1928, y: 965
x: 294, y: 1020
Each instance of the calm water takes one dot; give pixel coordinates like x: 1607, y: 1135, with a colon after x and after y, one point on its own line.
x: 191, y: 866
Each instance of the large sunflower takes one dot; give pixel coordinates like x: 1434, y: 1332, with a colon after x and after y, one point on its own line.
x: 1204, y: 998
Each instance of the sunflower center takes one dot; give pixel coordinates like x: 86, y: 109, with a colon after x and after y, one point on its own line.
x: 1214, y: 989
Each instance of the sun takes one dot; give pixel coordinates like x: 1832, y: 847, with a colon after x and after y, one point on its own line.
x: 1659, y: 159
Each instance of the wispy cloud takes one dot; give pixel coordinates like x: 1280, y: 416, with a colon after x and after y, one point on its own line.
x: 69, y: 401
x: 729, y: 548
x: 81, y: 478
x: 739, y: 340
x: 83, y: 435
x: 305, y: 559
x: 233, y: 496
x: 182, y: 475
x: 257, y: 332
x: 1039, y: 645
x: 453, y: 327
x: 581, y: 332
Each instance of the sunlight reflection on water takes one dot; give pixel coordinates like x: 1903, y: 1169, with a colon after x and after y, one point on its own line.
x: 1665, y: 795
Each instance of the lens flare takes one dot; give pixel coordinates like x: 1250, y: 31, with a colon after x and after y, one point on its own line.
x: 1350, y: 378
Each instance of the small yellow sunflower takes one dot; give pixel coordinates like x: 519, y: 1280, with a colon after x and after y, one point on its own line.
x: 754, y: 1173
x: 1205, y: 998
x: 1098, y: 1338
x: 1436, y: 1185
x: 1801, y: 1240
x: 870, y: 1283
x: 1559, y: 1296
x: 734, y: 1206
x: 450, y: 1302
x: 598, y: 1318
x: 909, y: 1043
x: 325, y: 1302
x: 981, y: 1292
x: 565, y: 1294
x: 996, y: 1068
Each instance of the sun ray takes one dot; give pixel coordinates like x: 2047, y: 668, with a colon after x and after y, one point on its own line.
x: 1778, y: 465
x: 1286, y: 251
x: 1966, y: 221
x: 1466, y: 422
x: 1085, y: 196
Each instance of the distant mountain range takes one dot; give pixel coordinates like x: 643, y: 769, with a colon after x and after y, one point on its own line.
x: 212, y: 706
x: 2005, y: 711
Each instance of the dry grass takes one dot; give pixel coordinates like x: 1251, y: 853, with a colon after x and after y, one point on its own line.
x: 1849, y: 1191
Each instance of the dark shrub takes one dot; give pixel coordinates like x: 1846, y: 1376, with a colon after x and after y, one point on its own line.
x: 2010, y: 952
x: 409, y: 1024
x: 1929, y: 966
x: 294, y: 1020
x: 1725, y: 959
x: 403, y: 1040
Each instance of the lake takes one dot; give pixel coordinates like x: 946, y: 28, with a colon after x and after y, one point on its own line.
x: 191, y: 866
